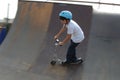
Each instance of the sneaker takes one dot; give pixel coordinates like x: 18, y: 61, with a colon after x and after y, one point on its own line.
x: 78, y: 61
x: 65, y: 62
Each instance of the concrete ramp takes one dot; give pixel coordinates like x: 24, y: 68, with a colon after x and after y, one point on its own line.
x: 28, y: 48
x: 29, y: 45
x: 102, y: 60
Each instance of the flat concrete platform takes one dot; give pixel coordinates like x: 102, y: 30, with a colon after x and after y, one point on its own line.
x: 28, y: 48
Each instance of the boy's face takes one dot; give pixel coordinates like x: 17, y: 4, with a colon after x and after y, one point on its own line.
x: 63, y: 21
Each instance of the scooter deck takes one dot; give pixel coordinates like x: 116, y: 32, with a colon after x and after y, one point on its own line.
x: 59, y: 61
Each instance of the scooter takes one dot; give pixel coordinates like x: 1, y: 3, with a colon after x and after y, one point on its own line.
x: 55, y: 56
x: 58, y: 60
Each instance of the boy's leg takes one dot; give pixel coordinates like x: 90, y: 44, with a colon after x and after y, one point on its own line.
x: 71, y: 53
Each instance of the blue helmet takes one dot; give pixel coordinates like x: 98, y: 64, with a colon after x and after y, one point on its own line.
x: 66, y: 14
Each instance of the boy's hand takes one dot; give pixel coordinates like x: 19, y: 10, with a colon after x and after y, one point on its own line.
x: 61, y: 43
x: 55, y: 37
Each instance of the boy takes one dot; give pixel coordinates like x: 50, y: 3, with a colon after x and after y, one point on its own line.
x: 74, y: 33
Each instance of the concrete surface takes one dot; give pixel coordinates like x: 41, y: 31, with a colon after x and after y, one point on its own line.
x: 28, y: 48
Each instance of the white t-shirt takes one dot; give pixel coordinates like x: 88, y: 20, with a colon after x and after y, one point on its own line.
x: 75, y: 30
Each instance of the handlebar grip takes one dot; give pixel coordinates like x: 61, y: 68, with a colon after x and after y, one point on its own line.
x: 57, y: 42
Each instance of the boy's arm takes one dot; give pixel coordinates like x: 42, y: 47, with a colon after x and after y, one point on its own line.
x: 60, y: 32
x: 68, y: 37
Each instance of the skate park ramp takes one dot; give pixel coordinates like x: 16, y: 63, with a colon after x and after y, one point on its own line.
x: 28, y: 48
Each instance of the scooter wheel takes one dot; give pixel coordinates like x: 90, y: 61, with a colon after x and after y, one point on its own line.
x: 53, y: 62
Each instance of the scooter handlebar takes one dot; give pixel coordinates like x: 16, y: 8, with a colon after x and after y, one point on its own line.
x: 57, y: 42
